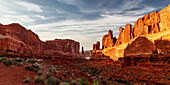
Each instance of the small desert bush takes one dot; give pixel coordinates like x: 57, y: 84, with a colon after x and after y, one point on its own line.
x: 82, y: 81
x: 39, y: 79
x: 95, y: 83
x: 29, y: 68
x: 64, y: 74
x: 52, y: 81
x: 32, y: 61
x: 39, y: 72
x: 7, y: 62
x: 48, y: 74
x: 26, y: 80
x: 3, y: 58
x: 18, y: 60
x: 36, y: 65
x: 2, y: 55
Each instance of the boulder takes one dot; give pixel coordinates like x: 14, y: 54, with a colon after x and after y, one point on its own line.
x: 140, y: 45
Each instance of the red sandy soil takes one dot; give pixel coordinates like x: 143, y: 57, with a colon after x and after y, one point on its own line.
x: 14, y: 75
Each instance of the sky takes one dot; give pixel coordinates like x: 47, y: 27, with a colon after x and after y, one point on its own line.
x: 85, y: 21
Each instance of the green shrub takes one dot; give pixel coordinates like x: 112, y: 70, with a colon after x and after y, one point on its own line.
x: 39, y: 79
x: 29, y: 68
x: 26, y: 80
x: 64, y: 74
x: 7, y: 62
x: 95, y: 83
x: 52, y: 81
x: 19, y: 64
x: 84, y: 82
x: 67, y: 72
x: 48, y: 74
x: 25, y: 58
x: 3, y: 58
x: 18, y: 60
x: 67, y: 80
x: 2, y: 55
x: 36, y: 69
x: 60, y: 78
x: 168, y: 78
x: 39, y: 72
x: 35, y: 65
x: 32, y: 61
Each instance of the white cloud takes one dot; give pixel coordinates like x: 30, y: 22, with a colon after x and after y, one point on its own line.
x: 42, y: 17
x: 7, y: 19
x: 87, y: 32
x: 30, y: 6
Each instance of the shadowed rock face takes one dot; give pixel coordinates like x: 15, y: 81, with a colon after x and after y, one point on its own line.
x: 56, y: 46
x: 31, y: 40
x: 140, y: 45
x: 163, y: 46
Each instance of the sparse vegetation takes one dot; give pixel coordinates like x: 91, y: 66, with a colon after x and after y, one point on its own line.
x: 52, y: 81
x: 39, y: 79
x: 26, y: 80
x: 7, y: 62
x: 29, y: 68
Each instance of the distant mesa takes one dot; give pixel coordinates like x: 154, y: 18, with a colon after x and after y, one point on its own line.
x: 16, y: 38
x: 149, y: 35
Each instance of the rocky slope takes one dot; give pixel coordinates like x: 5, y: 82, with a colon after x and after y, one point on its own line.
x: 150, y: 34
x: 17, y: 38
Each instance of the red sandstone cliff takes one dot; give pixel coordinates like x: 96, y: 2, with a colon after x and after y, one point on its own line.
x: 59, y: 47
x: 18, y: 32
x: 17, y: 38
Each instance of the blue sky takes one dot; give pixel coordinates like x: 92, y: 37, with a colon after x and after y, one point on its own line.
x: 85, y: 21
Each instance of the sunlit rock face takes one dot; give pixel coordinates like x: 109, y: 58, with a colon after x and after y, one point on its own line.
x: 164, y: 19
x: 17, y: 38
x: 150, y: 34
x: 108, y: 40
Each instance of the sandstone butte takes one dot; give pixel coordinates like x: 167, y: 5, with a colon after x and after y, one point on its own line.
x: 150, y: 34
x: 16, y: 38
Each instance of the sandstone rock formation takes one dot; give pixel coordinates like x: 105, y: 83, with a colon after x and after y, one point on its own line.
x: 150, y: 34
x: 16, y: 31
x: 108, y: 40
x: 8, y: 43
x: 60, y: 46
x: 96, y: 46
x: 18, y: 38
x: 164, y: 18
x: 120, y: 39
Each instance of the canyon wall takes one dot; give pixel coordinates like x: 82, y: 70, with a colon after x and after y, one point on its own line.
x: 17, y: 38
